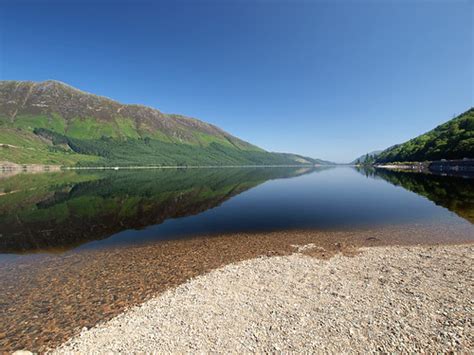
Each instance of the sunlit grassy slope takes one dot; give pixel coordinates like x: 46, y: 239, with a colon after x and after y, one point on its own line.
x: 451, y: 140
x: 53, y: 123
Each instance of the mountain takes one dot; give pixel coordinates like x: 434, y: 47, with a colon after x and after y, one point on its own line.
x: 451, y: 140
x: 53, y: 123
x: 362, y: 158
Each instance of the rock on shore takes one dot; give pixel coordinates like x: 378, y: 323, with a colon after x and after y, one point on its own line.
x: 390, y: 299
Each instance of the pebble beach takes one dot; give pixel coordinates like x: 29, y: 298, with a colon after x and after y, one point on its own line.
x: 395, y: 299
x: 294, y: 290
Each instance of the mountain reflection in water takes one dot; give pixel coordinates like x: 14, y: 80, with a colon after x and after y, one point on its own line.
x: 103, y: 209
x: 61, y: 210
x: 456, y: 193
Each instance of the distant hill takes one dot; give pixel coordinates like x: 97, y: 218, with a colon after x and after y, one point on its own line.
x: 362, y: 158
x: 451, y: 140
x: 53, y: 123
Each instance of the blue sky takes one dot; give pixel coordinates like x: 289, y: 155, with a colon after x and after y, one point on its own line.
x: 328, y: 79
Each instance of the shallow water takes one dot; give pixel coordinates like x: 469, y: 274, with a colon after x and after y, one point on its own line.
x: 56, y: 212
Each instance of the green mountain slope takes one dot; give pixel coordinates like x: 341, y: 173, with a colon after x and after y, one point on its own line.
x: 53, y: 123
x: 363, y: 158
x: 451, y: 140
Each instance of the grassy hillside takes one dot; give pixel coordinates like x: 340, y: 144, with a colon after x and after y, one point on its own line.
x: 366, y: 157
x: 53, y: 123
x: 451, y: 140
x: 23, y: 147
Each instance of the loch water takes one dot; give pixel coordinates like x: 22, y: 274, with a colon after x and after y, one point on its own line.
x: 60, y: 211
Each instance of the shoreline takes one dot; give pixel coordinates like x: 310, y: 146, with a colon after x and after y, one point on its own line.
x: 389, y: 299
x: 439, y: 167
x: 10, y: 169
x: 8, y: 166
x: 93, y: 286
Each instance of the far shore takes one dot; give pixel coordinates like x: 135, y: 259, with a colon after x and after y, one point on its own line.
x: 442, y: 166
x: 37, y: 168
x: 458, y: 167
x: 422, y: 168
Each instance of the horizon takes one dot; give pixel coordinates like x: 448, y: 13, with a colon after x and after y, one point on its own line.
x: 409, y: 70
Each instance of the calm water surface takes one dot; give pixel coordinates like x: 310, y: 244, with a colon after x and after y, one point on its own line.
x: 55, y: 212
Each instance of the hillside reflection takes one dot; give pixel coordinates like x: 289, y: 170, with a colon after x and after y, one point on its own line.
x: 62, y: 210
x: 455, y: 193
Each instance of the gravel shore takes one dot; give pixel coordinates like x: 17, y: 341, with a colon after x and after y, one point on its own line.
x: 89, y: 287
x: 390, y: 299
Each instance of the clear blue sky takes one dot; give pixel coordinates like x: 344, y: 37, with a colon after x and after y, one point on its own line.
x: 330, y: 79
